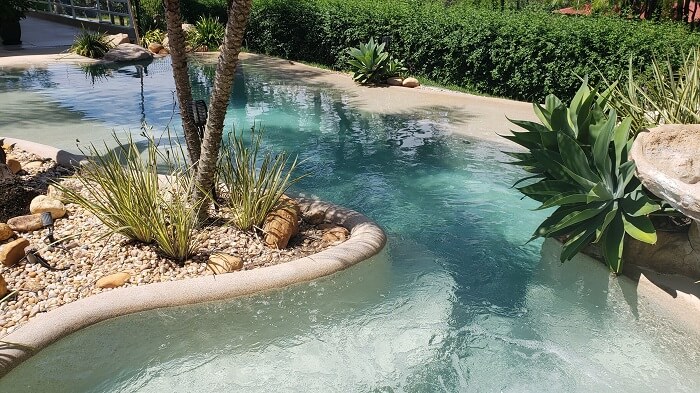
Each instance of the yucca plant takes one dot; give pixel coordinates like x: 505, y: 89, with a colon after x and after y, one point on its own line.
x: 254, y: 181
x: 368, y: 62
x: 208, y: 32
x: 125, y: 192
x: 670, y: 96
x: 578, y: 157
x: 89, y: 44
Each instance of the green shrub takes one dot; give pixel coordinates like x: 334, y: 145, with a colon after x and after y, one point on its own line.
x: 127, y: 195
x: 208, y: 33
x: 252, y: 191
x: 89, y: 44
x: 579, y: 158
x: 521, y: 55
x: 670, y: 96
x: 151, y: 36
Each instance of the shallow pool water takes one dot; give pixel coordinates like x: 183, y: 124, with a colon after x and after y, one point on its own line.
x: 457, y: 301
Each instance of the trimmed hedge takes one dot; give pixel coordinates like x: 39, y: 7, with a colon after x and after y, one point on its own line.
x: 516, y: 54
x: 520, y: 55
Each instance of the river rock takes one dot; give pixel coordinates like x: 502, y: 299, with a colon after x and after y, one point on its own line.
x: 3, y: 287
x: 43, y: 203
x: 163, y: 52
x: 186, y: 27
x: 5, y: 232
x: 410, y: 82
x: 113, y: 280
x: 26, y: 223
x: 335, y: 235
x: 14, y: 165
x: 395, y: 81
x: 118, y: 39
x: 128, y: 52
x: 282, y: 224
x: 220, y: 263
x: 155, y: 47
x: 55, y: 193
x: 13, y: 251
x: 315, y: 217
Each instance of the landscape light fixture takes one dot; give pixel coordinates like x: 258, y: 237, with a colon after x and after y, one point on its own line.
x: 198, y: 109
x: 386, y: 40
x: 47, y: 222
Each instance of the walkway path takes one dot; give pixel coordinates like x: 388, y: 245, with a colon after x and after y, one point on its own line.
x: 41, y: 36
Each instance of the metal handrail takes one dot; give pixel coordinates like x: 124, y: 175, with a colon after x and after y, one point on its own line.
x: 59, y: 7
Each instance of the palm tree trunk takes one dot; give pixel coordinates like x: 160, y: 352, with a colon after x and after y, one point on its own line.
x: 238, y: 14
x: 178, y: 56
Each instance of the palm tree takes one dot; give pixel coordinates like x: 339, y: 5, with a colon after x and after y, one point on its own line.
x: 238, y: 15
x: 178, y: 55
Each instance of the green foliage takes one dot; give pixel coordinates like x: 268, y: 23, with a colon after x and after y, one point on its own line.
x: 208, y: 33
x: 395, y: 67
x: 522, y: 55
x: 128, y: 196
x: 670, y: 96
x: 369, y: 62
x: 151, y: 36
x: 252, y: 191
x: 13, y: 10
x: 89, y: 44
x: 578, y: 155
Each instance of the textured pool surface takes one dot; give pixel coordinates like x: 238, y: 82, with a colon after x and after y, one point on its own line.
x: 458, y: 301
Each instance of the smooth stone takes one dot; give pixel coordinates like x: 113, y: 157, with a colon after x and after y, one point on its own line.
x: 5, y: 232
x: 27, y: 223
x: 155, y: 47
x: 42, y: 203
x: 315, y: 217
x: 220, y: 263
x: 55, y: 193
x: 163, y: 52
x: 13, y: 251
x: 668, y: 164
x: 113, y: 280
x: 128, y: 52
x: 14, y: 165
x: 3, y: 288
x: 282, y: 224
x: 410, y: 82
x: 335, y: 235
x: 118, y: 39
x: 395, y: 81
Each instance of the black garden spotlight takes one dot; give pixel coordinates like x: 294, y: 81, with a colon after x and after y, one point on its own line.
x: 198, y: 109
x: 47, y: 222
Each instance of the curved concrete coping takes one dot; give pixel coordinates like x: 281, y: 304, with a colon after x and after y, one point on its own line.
x: 668, y: 164
x: 62, y: 157
x: 366, y: 240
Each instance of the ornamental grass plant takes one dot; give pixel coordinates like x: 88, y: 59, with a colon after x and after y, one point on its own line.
x: 89, y: 44
x: 126, y: 193
x: 253, y: 180
x: 670, y: 96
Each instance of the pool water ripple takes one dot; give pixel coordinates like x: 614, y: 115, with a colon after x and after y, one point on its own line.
x: 458, y: 301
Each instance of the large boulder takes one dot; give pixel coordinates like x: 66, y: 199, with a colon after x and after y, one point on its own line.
x: 128, y: 52
x: 13, y: 251
x: 27, y: 223
x: 5, y: 232
x: 43, y: 203
x: 118, y: 39
x: 668, y: 164
x: 282, y: 224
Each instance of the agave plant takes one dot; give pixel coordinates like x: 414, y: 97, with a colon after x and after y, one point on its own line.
x: 578, y: 155
x: 368, y: 62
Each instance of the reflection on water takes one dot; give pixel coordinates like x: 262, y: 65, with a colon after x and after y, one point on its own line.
x: 457, y: 302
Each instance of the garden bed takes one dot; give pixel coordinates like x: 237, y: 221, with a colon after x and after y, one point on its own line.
x: 89, y: 253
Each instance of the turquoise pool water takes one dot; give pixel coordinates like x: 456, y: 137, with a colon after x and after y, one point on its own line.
x: 456, y: 302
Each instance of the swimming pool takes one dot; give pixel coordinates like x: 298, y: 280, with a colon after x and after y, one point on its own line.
x: 457, y: 301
